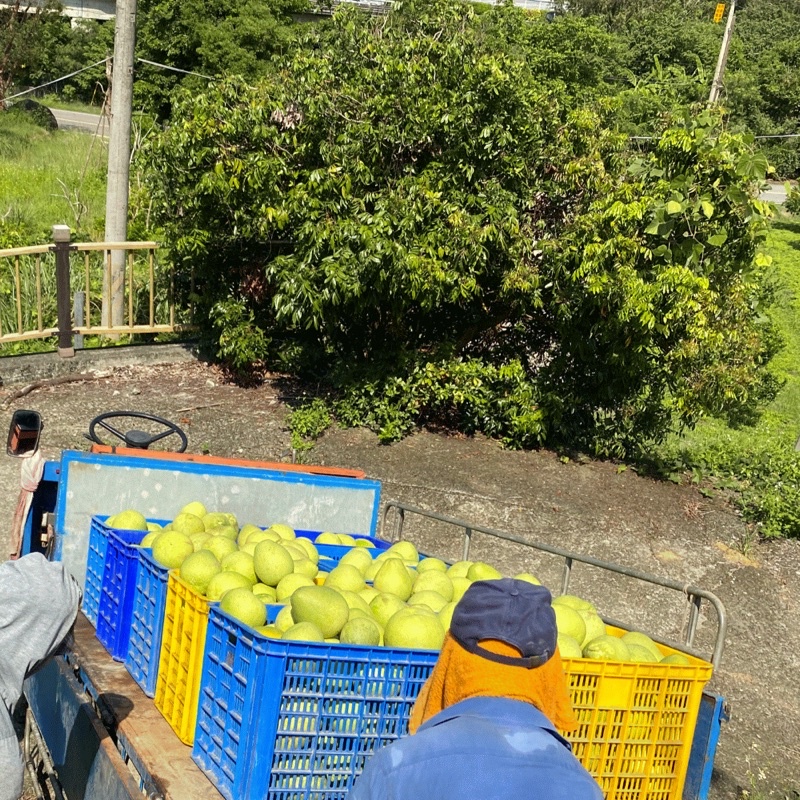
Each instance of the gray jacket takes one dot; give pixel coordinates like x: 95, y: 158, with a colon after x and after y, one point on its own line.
x: 39, y: 602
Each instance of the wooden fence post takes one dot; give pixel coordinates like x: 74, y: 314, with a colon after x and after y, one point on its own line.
x: 61, y: 238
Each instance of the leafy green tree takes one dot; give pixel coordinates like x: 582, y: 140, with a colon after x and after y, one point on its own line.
x: 445, y: 231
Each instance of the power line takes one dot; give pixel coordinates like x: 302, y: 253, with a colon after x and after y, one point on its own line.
x: 175, y: 69
x: 63, y: 77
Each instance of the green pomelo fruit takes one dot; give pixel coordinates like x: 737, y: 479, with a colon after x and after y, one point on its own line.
x: 267, y: 594
x: 368, y: 593
x: 128, y: 520
x: 311, y: 551
x: 460, y: 585
x: 676, y: 658
x: 195, y: 508
x: 570, y: 622
x: 429, y: 563
x: 199, y: 539
x: 249, y: 547
x: 272, y: 562
x: 638, y: 652
x: 385, y: 606
x: 365, y: 543
x: 355, y: 600
x: 481, y: 571
x: 154, y: 526
x: 254, y: 537
x: 346, y: 539
x: 149, y: 538
x: 303, y: 632
x: 435, y: 581
x: 345, y: 577
x: 244, y: 606
x: 297, y: 553
x: 359, y: 612
x: 433, y: 600
x: 594, y: 625
x: 643, y: 640
x: 606, y: 648
x: 241, y: 562
x: 171, y: 547
x: 361, y: 630
x: 323, y: 606
x: 569, y: 647
x: 270, y: 631
x: 528, y: 578
x: 306, y: 567
x: 283, y: 530
x: 199, y: 568
x: 228, y: 531
x: 246, y: 530
x: 372, y: 569
x: 358, y: 557
x: 188, y: 523
x: 223, y: 582
x: 575, y: 602
x: 414, y: 627
x: 406, y: 550
x: 214, y: 518
x: 284, y: 620
x: 393, y: 578
x: 327, y: 537
x: 220, y: 546
x: 289, y: 583
x: 459, y: 569
x: 446, y: 615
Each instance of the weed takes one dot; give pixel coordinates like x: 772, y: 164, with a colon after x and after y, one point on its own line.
x: 307, y: 423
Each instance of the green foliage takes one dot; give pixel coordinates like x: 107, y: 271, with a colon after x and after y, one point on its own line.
x: 792, y: 202
x: 423, y: 203
x: 307, y: 423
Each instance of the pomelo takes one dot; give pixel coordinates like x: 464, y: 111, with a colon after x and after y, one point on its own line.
x: 429, y: 563
x: 393, y: 578
x: 196, y: 508
x: 368, y: 593
x: 220, y: 546
x: 266, y: 594
x: 433, y: 600
x: 435, y: 581
x: 385, y: 606
x: 594, y: 625
x: 199, y: 539
x: 154, y: 526
x: 311, y: 551
x: 569, y: 647
x: 573, y: 601
x: 323, y: 606
x: 244, y: 606
x: 355, y: 600
x: 607, y: 648
x: 527, y: 577
x: 188, y: 523
x: 643, y: 640
x: 345, y: 577
x: 570, y: 622
x: 360, y: 542
x: 170, y: 548
x: 361, y: 630
x: 459, y: 569
x: 303, y: 632
x: 228, y: 531
x: 481, y: 571
x: 446, y: 615
x: 272, y: 562
x: 289, y: 583
x: 358, y: 557
x: 223, y: 582
x: 346, y: 539
x: 406, y: 550
x: 284, y: 620
x: 245, y: 531
x: 638, y: 652
x: 306, y: 567
x: 414, y: 627
x: 270, y: 631
x: 239, y: 561
x: 199, y: 568
x: 283, y: 530
x: 213, y: 518
x: 149, y: 538
x: 327, y: 537
x: 676, y: 658
x: 127, y: 520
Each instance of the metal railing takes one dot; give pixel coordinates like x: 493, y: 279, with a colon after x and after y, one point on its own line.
x: 694, y: 595
x: 72, y: 289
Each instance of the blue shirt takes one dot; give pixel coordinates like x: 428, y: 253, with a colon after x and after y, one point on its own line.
x: 483, y: 747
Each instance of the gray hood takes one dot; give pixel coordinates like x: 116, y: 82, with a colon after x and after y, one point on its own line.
x: 39, y: 603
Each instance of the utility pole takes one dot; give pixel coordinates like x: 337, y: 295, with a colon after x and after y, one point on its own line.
x: 716, y: 84
x: 119, y: 157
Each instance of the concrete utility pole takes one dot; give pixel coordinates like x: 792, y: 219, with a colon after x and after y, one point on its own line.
x: 119, y: 157
x: 716, y: 84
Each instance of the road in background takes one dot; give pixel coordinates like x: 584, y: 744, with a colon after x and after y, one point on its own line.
x: 80, y: 120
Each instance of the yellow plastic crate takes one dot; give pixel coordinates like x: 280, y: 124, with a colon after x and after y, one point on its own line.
x: 182, y: 642
x: 636, y: 722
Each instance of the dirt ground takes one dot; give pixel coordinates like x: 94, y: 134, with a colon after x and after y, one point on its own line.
x: 592, y: 508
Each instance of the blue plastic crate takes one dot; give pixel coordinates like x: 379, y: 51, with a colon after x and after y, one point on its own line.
x: 282, y: 719
x: 147, y: 621
x: 334, y: 552
x: 95, y: 566
x: 116, y: 592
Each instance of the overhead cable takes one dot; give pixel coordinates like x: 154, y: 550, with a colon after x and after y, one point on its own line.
x: 62, y: 78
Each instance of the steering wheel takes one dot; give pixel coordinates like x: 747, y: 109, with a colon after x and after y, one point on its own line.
x: 135, y: 438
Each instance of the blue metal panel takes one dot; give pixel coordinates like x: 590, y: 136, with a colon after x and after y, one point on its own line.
x: 85, y: 758
x: 704, y: 746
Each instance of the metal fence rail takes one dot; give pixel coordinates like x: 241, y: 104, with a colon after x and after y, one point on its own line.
x: 67, y: 289
x: 694, y: 595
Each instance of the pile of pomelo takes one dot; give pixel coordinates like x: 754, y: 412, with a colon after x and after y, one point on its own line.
x: 392, y: 598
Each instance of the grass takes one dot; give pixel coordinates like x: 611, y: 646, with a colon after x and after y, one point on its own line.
x: 56, y: 101
x: 50, y: 177
x: 761, y: 460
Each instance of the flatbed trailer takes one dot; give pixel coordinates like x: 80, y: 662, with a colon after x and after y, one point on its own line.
x: 98, y: 735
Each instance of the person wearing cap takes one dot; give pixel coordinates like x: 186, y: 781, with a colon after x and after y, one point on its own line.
x: 39, y: 603
x: 486, y: 722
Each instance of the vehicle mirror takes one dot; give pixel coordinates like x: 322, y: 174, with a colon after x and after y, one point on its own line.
x: 23, y: 433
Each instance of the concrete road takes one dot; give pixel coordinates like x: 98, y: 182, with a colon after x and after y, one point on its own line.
x: 79, y: 120
x: 775, y: 194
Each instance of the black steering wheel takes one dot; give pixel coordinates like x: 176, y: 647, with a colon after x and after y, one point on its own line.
x: 135, y: 438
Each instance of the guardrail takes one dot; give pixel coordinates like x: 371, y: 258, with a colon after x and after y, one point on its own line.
x: 72, y: 289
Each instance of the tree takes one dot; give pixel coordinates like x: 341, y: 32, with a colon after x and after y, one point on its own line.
x: 441, y: 227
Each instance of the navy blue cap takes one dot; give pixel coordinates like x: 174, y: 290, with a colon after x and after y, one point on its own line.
x: 515, y: 612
